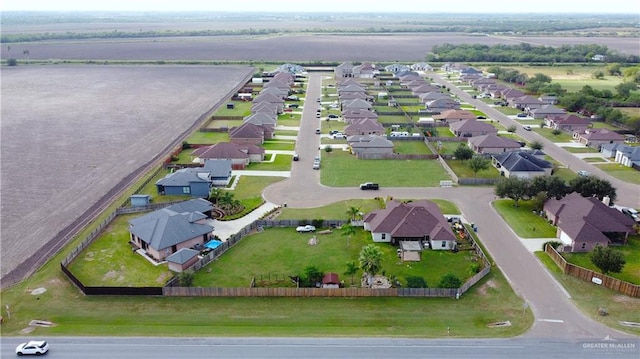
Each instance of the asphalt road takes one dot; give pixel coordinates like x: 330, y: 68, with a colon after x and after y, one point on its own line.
x: 311, y: 348
x: 556, y: 316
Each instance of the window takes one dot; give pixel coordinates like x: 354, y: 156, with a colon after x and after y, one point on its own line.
x: 384, y: 236
x: 584, y: 245
x: 444, y: 244
x: 186, y: 190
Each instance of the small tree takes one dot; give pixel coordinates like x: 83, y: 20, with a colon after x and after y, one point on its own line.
x: 328, y: 149
x: 515, y: 188
x: 555, y: 132
x: 416, y: 282
x: 370, y: 260
x: 478, y: 163
x: 352, y: 269
x: 512, y: 129
x: 348, y: 230
x: 185, y: 278
x: 312, y: 275
x: 607, y: 259
x: 450, y: 280
x: 536, y: 145
x: 463, y: 152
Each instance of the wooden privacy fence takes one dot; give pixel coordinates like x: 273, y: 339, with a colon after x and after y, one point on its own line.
x: 308, y: 292
x: 588, y: 275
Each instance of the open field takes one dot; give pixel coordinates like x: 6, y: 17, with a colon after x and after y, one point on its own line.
x: 98, y: 126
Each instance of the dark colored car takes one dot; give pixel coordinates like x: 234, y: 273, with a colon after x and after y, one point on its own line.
x: 369, y: 185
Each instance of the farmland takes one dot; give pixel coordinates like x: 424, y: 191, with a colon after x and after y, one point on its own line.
x: 87, y: 128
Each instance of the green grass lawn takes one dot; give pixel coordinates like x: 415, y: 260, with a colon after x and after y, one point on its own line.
x: 462, y: 170
x: 241, y: 108
x: 284, y: 145
x: 109, y: 260
x: 340, y: 169
x: 337, y: 210
x: 225, y: 123
x: 505, y: 109
x: 285, y: 252
x: 252, y: 186
x: 590, y: 297
x: 207, y: 138
x: 411, y: 147
x: 289, y: 119
x: 631, y: 270
x: 594, y: 159
x: 621, y: 172
x: 580, y: 149
x: 281, y: 163
x: 393, y: 119
x: 546, y: 132
x: 523, y: 221
x: 286, y: 133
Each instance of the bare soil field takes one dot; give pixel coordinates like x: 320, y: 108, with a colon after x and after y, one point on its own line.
x: 407, y: 47
x: 69, y: 134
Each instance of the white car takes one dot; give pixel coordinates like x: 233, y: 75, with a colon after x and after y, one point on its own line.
x: 339, y: 136
x: 527, y: 127
x: 34, y: 347
x: 307, y: 228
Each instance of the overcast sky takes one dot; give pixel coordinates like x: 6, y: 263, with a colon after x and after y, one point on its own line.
x: 415, y: 6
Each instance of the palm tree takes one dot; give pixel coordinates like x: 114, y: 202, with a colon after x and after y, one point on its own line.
x: 348, y: 230
x: 370, y: 261
x: 354, y: 213
x: 352, y: 269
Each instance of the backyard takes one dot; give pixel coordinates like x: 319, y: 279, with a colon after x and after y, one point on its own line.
x: 341, y: 169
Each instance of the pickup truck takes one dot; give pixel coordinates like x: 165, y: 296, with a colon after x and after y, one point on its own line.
x: 307, y: 228
x: 369, y: 185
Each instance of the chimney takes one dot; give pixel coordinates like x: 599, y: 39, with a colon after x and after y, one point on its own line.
x: 606, y: 200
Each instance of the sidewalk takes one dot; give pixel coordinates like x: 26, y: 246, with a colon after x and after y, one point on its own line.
x: 225, y: 229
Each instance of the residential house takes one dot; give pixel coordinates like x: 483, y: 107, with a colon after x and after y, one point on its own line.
x: 454, y: 115
x: 522, y: 164
x: 420, y: 221
x: 342, y: 90
x: 433, y: 95
x: 355, y: 95
x: 419, y: 90
x: 442, y: 104
x: 364, y: 126
x: 356, y: 104
x: 370, y: 145
x: 239, y: 154
x: 182, y: 260
x: 611, y: 149
x: 251, y: 133
x: 470, y: 128
x: 195, y: 181
x: 470, y: 77
x: 396, y: 68
x: 481, y: 81
x: 272, y: 99
x: 349, y: 115
x: 511, y: 93
x: 264, y: 107
x: 524, y: 102
x: 350, y: 81
x: 164, y: 232
x: 628, y: 156
x: 545, y: 111
x: 409, y: 83
x: 492, y: 144
x: 262, y: 119
x: 343, y: 70
x: 585, y: 222
x: 548, y: 99
x: 364, y: 71
x: 568, y: 123
x: 275, y: 91
x: 596, y: 137
x: 421, y: 66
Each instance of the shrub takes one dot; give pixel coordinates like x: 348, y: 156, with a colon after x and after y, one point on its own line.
x: 416, y: 282
x: 450, y: 280
x: 554, y: 244
x: 12, y: 62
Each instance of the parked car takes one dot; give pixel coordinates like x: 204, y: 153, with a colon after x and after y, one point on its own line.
x: 296, y: 157
x: 292, y: 105
x: 332, y: 116
x: 631, y: 213
x: 481, y: 118
x: 318, y: 100
x: 305, y: 229
x: 34, y: 347
x: 318, y: 115
x: 333, y: 105
x: 369, y: 185
x: 316, y: 165
x: 521, y: 114
x: 333, y: 132
x: 339, y: 136
x: 527, y: 127
x: 583, y: 173
x: 317, y: 131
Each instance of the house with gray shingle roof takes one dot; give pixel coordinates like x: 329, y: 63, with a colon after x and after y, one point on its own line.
x: 570, y: 123
x: 349, y: 115
x: 471, y: 128
x: 492, y: 144
x: 251, y: 133
x: 628, y: 156
x: 421, y: 66
x: 195, y: 181
x: 364, y: 126
x: 182, y: 259
x: 524, y: 102
x: 545, y: 111
x: 454, y: 115
x: 585, y: 222
x: 522, y: 164
x: 596, y: 137
x: 262, y: 119
x: 343, y: 70
x: 420, y: 221
x: 433, y: 95
x: 442, y: 104
x: 165, y: 231
x: 272, y: 99
x: 264, y: 107
x: 350, y: 88
x: 355, y: 95
x: 356, y: 104
x: 369, y: 144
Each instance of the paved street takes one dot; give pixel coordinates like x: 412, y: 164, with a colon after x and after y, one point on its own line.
x: 556, y: 315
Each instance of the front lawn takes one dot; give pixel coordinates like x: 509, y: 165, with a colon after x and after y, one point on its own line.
x: 252, y: 186
x: 285, y: 252
x: 621, y: 172
x: 523, y: 220
x: 631, y: 270
x: 546, y: 133
x: 341, y: 169
x: 281, y: 163
x: 462, y: 170
x: 283, y: 145
x: 337, y: 210
x: 580, y: 149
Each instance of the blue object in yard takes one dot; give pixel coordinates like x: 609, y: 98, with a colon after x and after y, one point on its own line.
x: 213, y: 244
